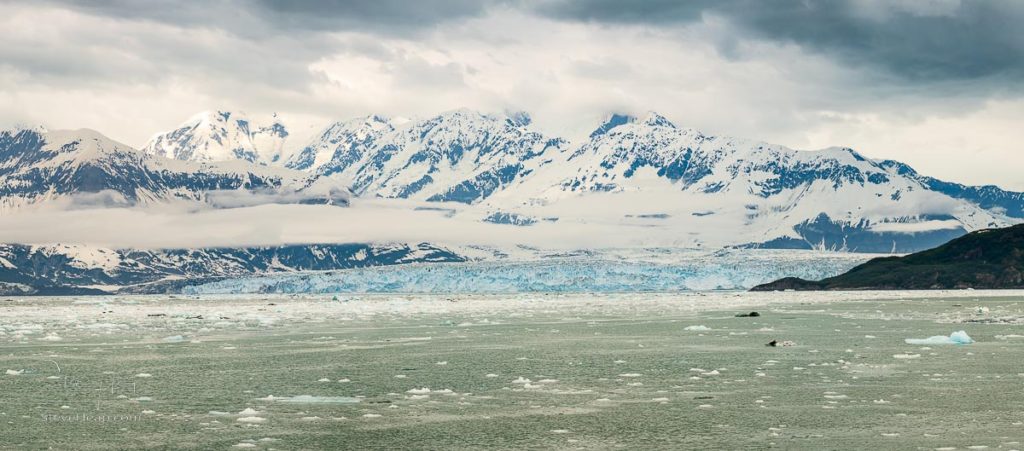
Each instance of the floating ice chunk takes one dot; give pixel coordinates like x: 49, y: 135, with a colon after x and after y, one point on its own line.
x: 143, y: 375
x: 15, y: 372
x: 907, y: 356
x: 521, y: 380
x: 956, y: 338
x: 697, y: 328
x: 323, y: 379
x: 248, y: 412
x: 371, y: 415
x: 174, y: 339
x: 51, y: 337
x: 251, y: 420
x: 418, y: 391
x: 491, y: 375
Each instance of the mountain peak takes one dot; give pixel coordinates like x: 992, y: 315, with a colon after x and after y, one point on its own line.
x: 18, y: 128
x: 519, y: 118
x: 222, y: 135
x: 654, y: 119
x: 611, y: 121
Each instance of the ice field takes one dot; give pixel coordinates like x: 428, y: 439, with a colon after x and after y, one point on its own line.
x: 515, y: 371
x: 670, y: 270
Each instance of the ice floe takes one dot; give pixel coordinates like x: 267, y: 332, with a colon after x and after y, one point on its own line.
x: 956, y: 338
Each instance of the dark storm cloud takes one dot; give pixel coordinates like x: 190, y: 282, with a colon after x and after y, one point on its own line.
x: 917, y: 40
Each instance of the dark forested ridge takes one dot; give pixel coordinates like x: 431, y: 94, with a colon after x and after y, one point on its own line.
x: 990, y: 258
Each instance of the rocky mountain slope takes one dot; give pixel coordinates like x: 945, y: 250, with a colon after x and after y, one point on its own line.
x: 70, y: 269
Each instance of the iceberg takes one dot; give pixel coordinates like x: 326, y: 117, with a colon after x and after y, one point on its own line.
x: 956, y: 338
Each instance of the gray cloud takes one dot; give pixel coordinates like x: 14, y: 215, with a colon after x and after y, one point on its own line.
x: 916, y: 40
x: 260, y: 17
x: 935, y: 83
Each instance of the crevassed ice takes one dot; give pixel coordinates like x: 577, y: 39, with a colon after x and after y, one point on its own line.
x: 733, y: 271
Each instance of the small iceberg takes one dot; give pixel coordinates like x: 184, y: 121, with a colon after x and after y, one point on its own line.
x: 956, y: 338
x: 310, y: 399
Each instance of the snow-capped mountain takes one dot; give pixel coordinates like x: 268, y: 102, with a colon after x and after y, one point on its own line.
x: 642, y: 180
x: 458, y: 156
x: 649, y: 170
x: 222, y: 136
x: 340, y: 145
x: 37, y: 165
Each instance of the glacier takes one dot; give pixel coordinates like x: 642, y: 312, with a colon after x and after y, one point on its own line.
x: 729, y: 270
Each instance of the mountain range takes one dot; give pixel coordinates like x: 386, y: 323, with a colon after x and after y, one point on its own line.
x: 643, y: 177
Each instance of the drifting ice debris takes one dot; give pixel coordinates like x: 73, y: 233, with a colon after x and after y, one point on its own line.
x: 956, y: 338
x: 174, y: 339
x: 699, y: 328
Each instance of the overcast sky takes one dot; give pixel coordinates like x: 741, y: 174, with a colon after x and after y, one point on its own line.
x: 938, y: 84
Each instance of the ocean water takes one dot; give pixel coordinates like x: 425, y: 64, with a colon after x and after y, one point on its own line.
x: 562, y: 371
